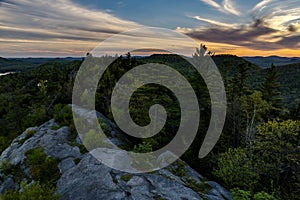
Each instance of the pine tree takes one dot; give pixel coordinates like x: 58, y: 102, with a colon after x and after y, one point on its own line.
x: 239, y: 81
x: 270, y: 90
x: 237, y: 88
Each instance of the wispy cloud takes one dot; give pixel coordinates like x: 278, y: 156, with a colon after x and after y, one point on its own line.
x: 261, y: 5
x: 275, y: 25
x: 212, y: 3
x: 226, y: 7
x: 278, y: 14
x: 215, y: 22
x: 44, y: 25
x: 257, y: 35
x: 229, y: 7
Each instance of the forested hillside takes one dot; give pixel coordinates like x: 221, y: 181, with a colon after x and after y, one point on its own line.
x: 276, y: 60
x: 23, y: 64
x: 257, y: 155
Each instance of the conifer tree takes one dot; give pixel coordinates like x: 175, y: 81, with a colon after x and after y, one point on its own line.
x: 270, y: 91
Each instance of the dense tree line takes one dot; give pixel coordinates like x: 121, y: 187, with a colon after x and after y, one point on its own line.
x: 257, y: 155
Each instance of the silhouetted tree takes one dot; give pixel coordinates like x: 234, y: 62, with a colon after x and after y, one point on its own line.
x: 270, y: 91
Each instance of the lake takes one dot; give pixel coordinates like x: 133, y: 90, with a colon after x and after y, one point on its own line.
x: 3, y: 74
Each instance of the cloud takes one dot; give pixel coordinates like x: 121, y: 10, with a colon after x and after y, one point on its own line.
x: 212, y: 3
x: 214, y: 22
x: 277, y: 13
x: 257, y: 35
x: 227, y: 6
x: 45, y: 24
x: 275, y: 25
x: 294, y: 27
x: 260, y: 6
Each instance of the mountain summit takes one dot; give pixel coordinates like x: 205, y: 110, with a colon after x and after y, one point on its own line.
x: 51, y: 154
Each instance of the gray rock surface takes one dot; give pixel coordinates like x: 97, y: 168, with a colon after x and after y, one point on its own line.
x: 84, y: 177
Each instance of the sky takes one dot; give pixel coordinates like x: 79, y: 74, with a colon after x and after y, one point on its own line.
x: 61, y: 28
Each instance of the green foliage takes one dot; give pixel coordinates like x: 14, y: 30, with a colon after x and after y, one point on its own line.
x: 267, y: 160
x: 294, y: 113
x: 8, y: 169
x: 54, y: 128
x: 288, y: 77
x: 36, y: 116
x: 178, y: 168
x: 126, y: 177
x: 145, y: 157
x: 4, y: 143
x: 276, y: 154
x: 239, y: 194
x: 63, y: 114
x: 145, y: 147
x: 235, y: 169
x: 254, y: 109
x: 104, y: 127
x: 27, y: 99
x: 270, y: 90
x: 42, y: 167
x: 202, y: 188
x: 30, y: 133
x: 254, y: 106
x: 34, y: 191
x: 263, y: 196
x: 43, y: 86
x: 239, y: 86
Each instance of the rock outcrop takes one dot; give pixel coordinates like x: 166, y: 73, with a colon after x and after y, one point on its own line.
x: 84, y: 177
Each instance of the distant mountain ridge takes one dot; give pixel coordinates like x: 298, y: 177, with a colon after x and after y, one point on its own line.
x: 21, y: 64
x: 276, y: 60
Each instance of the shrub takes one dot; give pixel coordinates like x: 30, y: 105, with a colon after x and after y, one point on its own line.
x: 63, y: 114
x: 239, y: 194
x: 235, y: 169
x: 8, y: 169
x: 145, y: 147
x: 126, y: 177
x: 104, y: 127
x: 37, y: 115
x: 276, y: 156
x: 28, y: 135
x: 34, y: 191
x: 145, y: 159
x: 42, y: 167
x: 202, y: 188
x: 178, y: 168
x: 4, y: 143
x: 264, y: 196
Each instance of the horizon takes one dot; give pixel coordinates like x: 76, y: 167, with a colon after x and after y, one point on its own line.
x: 70, y: 28
x: 81, y: 57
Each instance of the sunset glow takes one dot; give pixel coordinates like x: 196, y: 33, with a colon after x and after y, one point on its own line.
x: 33, y: 28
